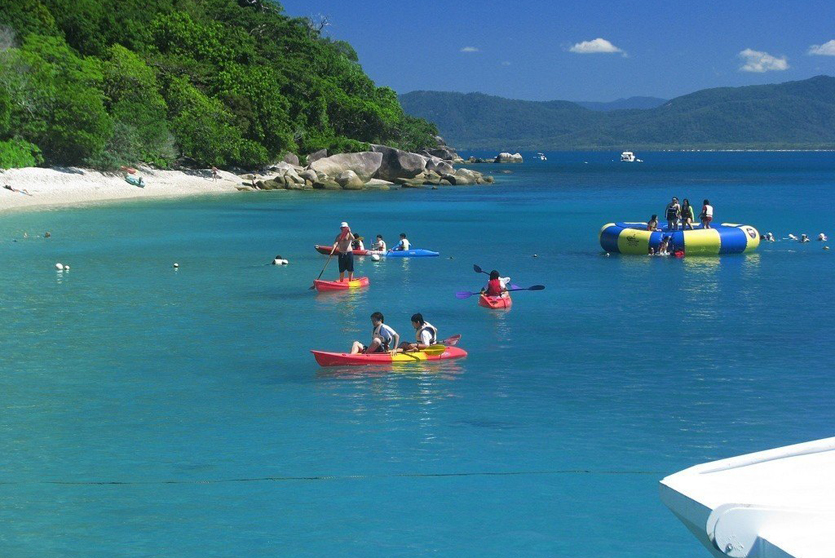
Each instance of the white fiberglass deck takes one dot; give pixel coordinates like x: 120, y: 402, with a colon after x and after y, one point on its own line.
x: 771, y: 504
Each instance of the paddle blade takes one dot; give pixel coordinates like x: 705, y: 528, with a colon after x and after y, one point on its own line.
x: 464, y: 294
x: 451, y: 341
x: 477, y: 269
x: 537, y: 288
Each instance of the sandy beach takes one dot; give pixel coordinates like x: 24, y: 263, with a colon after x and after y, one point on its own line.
x: 60, y: 187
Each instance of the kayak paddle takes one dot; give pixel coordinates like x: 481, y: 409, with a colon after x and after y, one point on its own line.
x: 313, y: 286
x: 478, y: 269
x: 468, y: 294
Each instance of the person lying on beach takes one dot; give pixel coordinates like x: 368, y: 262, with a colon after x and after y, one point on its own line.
x: 403, y: 244
x: 383, y: 338
x: 24, y: 191
x: 426, y: 335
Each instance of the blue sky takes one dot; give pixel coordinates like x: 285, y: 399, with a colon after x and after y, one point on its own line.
x: 535, y: 49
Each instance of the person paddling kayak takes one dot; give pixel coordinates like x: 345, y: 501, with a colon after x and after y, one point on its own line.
x: 403, y: 245
x: 496, y: 286
x: 426, y: 335
x: 380, y: 244
x: 343, y: 246
x: 383, y: 338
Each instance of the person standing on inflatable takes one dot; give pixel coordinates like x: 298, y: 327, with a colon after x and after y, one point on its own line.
x: 672, y: 213
x: 707, y: 214
x: 343, y: 245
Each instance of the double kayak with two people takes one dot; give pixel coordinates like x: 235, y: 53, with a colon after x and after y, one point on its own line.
x: 416, y: 253
x: 445, y: 350
x: 326, y: 286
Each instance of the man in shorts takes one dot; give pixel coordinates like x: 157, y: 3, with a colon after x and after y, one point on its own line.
x: 343, y: 246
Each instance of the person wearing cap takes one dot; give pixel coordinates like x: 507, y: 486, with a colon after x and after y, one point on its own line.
x: 342, y: 245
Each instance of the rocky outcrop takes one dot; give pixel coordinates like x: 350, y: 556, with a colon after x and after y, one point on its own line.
x: 364, y: 164
x: 398, y: 164
x: 316, y: 155
x: 349, y: 180
x: 438, y: 165
x: 505, y: 157
x: 291, y: 158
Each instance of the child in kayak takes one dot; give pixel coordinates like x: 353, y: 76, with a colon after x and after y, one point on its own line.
x: 380, y: 244
x: 403, y: 245
x: 426, y: 335
x: 383, y: 338
x: 496, y: 286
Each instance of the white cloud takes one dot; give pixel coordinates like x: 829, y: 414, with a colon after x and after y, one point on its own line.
x: 596, y: 46
x: 759, y: 62
x: 826, y: 49
x: 469, y: 49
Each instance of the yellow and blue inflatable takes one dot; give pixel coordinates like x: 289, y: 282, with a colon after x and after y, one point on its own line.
x: 634, y: 238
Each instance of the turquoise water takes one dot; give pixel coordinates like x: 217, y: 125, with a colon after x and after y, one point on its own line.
x: 152, y: 411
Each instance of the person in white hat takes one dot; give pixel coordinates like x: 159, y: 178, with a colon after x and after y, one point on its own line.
x: 343, y: 246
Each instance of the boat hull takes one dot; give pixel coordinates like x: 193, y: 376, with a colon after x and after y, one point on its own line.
x: 429, y: 355
x: 325, y: 286
x: 495, y: 302
x: 416, y: 253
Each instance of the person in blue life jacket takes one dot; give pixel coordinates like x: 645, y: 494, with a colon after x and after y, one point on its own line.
x: 383, y: 338
x: 426, y: 335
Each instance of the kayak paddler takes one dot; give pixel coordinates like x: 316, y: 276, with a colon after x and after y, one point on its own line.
x: 403, y: 245
x: 343, y: 247
x: 496, y: 285
x: 426, y: 335
x: 383, y: 338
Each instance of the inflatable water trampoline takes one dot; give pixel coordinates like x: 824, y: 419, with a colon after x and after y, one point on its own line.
x: 634, y: 238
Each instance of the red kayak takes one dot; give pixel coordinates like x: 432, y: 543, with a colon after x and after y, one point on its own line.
x: 357, y: 283
x: 435, y: 352
x: 326, y: 250
x: 495, y: 302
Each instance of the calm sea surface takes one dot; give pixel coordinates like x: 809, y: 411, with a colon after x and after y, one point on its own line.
x: 146, y: 411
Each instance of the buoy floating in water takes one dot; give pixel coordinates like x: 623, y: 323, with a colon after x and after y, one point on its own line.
x: 176, y: 265
x: 375, y: 257
x: 59, y: 266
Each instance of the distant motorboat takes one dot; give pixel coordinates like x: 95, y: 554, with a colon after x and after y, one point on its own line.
x: 629, y: 157
x: 541, y: 157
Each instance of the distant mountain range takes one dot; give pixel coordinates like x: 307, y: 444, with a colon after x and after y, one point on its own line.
x: 792, y: 115
x: 624, y: 104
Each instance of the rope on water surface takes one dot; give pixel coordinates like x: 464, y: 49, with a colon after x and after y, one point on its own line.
x: 341, y: 477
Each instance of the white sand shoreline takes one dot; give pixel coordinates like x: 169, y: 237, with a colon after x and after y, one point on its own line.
x: 55, y: 188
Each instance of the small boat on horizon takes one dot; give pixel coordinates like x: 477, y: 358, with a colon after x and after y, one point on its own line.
x: 629, y: 157
x: 541, y: 156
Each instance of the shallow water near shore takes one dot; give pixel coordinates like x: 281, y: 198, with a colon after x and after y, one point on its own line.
x: 147, y: 410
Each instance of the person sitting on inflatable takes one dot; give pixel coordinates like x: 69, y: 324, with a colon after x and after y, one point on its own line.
x: 383, y: 338
x: 653, y: 223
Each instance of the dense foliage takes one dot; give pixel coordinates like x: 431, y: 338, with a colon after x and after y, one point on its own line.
x: 793, y: 115
x: 207, y: 82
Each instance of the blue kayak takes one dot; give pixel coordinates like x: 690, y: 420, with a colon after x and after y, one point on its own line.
x: 417, y: 253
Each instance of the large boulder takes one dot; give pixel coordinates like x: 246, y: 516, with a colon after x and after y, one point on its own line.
x: 309, y: 175
x: 364, y: 164
x: 506, y: 157
x: 398, y: 163
x: 316, y: 155
x: 349, y: 180
x: 326, y: 184
x: 463, y: 177
x: 438, y: 165
x: 291, y: 158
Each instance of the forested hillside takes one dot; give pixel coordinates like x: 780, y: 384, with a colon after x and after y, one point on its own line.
x: 793, y: 115
x: 197, y: 82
